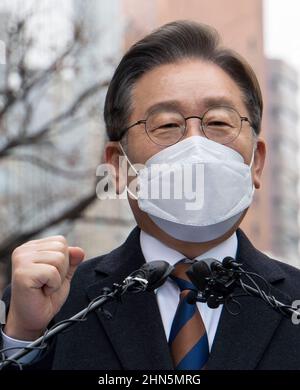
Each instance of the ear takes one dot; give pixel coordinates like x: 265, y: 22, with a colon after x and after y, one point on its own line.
x: 113, y: 155
x: 259, y: 162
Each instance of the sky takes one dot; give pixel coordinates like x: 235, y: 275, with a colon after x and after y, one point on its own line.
x: 282, y: 36
x: 282, y: 30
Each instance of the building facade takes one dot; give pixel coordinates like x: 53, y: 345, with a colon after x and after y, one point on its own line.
x: 283, y: 149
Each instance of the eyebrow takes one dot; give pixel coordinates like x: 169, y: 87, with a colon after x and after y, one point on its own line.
x: 175, y: 105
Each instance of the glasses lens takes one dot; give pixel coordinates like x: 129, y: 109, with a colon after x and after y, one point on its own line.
x: 221, y: 124
x: 165, y: 128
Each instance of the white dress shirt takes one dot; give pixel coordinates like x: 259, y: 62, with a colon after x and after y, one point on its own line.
x: 168, y: 293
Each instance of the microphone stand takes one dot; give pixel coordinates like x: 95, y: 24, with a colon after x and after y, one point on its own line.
x: 271, y: 301
x: 150, y: 276
x: 59, y: 328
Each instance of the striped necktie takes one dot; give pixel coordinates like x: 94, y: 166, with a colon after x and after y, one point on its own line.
x: 188, y: 338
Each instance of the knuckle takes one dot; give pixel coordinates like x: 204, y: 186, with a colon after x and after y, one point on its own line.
x: 24, y: 259
x: 18, y: 274
x: 60, y: 258
x: 60, y: 246
x: 16, y: 258
x: 61, y: 239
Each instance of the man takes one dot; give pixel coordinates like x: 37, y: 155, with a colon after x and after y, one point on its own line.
x: 177, y: 100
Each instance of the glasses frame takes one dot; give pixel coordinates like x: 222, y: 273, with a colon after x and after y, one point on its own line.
x: 144, y: 121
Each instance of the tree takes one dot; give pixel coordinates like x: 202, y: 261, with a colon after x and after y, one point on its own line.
x: 49, y: 143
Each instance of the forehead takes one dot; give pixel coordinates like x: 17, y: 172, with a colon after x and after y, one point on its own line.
x: 190, y: 85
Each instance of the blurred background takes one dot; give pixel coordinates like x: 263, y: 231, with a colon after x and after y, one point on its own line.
x: 56, y: 60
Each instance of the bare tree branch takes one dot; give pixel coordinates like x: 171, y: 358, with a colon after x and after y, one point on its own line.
x: 27, y: 118
x: 46, y: 128
x: 28, y: 83
x: 73, y: 212
x: 26, y: 93
x: 39, y: 162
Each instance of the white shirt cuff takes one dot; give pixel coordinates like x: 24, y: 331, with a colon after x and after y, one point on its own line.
x: 9, y: 342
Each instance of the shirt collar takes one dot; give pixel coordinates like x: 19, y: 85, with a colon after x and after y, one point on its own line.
x: 153, y: 249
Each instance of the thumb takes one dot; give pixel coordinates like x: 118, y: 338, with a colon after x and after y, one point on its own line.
x: 76, y: 255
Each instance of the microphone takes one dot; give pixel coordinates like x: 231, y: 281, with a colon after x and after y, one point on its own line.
x: 151, y: 275
x: 147, y: 278
x: 230, y: 263
x: 200, y: 272
x: 217, y: 281
x: 213, y: 280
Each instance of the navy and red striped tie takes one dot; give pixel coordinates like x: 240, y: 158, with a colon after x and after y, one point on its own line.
x: 188, y: 338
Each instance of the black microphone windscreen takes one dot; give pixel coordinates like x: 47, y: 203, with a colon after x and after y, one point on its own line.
x: 199, y: 271
x: 155, y: 272
x: 228, y: 262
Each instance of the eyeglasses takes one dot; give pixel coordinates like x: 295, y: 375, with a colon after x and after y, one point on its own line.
x: 221, y: 124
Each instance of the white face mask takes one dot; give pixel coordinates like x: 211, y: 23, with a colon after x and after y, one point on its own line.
x: 219, y: 189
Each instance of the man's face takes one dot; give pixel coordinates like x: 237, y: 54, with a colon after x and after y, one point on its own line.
x: 194, y: 86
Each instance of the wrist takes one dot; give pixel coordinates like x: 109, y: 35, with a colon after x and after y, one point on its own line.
x: 14, y: 330
x: 21, y: 334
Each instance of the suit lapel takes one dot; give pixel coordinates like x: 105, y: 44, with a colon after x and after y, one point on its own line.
x: 241, y: 340
x: 136, y: 331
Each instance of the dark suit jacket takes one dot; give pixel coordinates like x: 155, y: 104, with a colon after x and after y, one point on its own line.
x: 257, y: 338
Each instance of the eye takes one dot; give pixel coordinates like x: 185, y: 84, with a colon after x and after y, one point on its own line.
x: 166, y: 126
x: 217, y: 123
x: 170, y: 125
